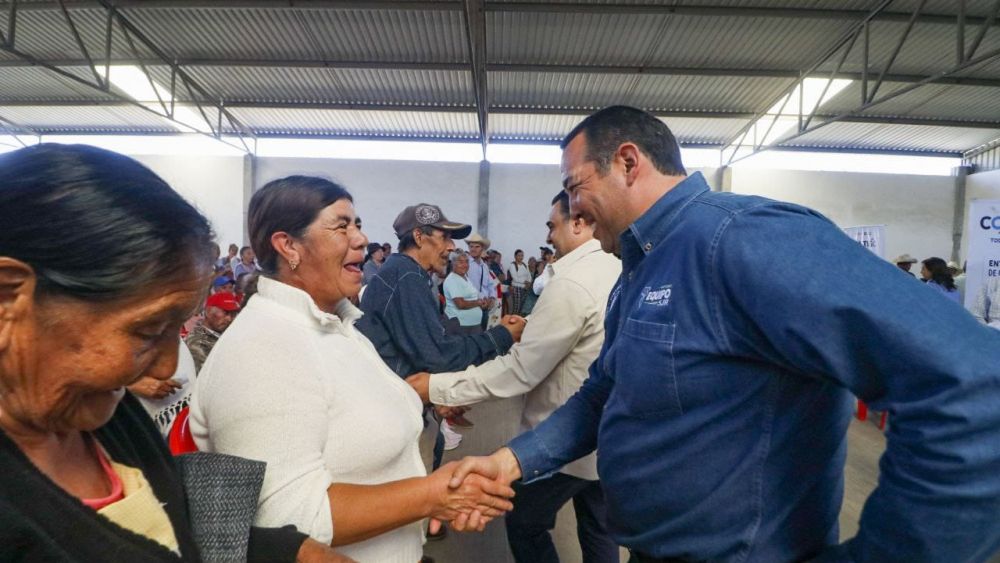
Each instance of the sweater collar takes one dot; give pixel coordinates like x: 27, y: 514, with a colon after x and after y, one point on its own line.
x: 300, y: 302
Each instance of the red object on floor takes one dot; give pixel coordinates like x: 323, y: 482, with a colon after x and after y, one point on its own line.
x: 180, y: 439
x: 862, y: 410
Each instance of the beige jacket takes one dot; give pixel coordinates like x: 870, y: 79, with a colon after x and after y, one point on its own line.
x: 563, y: 337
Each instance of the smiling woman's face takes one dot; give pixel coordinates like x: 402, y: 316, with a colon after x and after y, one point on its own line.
x: 65, y: 362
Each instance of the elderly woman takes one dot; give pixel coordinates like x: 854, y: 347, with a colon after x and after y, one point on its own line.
x: 294, y: 384
x: 100, y: 264
x: 462, y: 304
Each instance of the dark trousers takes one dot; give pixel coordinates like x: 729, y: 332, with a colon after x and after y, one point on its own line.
x: 534, y: 516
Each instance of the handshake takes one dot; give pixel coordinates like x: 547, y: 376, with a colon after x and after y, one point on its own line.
x: 468, y: 494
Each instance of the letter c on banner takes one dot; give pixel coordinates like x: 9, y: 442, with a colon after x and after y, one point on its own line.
x: 985, y: 223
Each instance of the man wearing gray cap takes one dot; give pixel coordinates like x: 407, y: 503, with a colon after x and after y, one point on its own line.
x: 401, y: 315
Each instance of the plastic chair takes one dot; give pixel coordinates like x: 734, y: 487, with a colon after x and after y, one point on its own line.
x: 180, y: 439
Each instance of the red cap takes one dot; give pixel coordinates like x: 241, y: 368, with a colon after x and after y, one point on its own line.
x: 223, y: 300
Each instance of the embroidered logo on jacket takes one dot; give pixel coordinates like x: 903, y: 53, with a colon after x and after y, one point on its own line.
x: 659, y: 297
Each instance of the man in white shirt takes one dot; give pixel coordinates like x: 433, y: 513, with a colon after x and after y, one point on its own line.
x: 549, y: 365
x: 479, y: 273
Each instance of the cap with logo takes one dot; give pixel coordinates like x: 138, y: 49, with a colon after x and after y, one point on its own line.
x: 223, y: 300
x: 427, y: 215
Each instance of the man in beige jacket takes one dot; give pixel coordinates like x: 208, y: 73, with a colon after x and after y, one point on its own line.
x: 548, y: 366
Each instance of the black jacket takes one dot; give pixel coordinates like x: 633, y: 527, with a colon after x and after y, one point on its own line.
x: 41, y: 522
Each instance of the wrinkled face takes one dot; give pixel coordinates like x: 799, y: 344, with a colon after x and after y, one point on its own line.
x: 434, y: 250
x: 332, y: 252
x: 218, y: 319
x: 68, y: 361
x: 461, y: 265
x: 475, y: 249
x: 597, y: 199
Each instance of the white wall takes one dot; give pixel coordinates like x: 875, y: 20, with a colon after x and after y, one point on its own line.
x: 213, y: 184
x: 383, y: 188
x: 917, y: 210
x: 985, y: 185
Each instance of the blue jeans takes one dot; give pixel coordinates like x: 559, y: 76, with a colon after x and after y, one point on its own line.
x: 534, y: 516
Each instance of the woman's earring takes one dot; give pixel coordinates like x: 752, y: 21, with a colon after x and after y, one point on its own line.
x: 293, y: 264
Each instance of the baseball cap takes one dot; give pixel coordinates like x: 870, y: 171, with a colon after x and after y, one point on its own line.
x: 222, y: 280
x: 427, y: 215
x: 223, y: 300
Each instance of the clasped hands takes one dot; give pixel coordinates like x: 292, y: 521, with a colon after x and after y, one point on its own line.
x: 477, y: 490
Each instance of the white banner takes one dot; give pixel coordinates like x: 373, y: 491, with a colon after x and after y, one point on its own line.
x: 871, y: 237
x: 983, y: 231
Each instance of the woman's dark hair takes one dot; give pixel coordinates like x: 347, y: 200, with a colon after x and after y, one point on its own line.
x: 939, y: 272
x: 94, y: 224
x: 287, y: 205
x: 608, y: 128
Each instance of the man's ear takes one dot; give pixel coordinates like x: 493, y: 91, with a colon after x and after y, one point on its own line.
x: 628, y: 155
x: 17, y: 296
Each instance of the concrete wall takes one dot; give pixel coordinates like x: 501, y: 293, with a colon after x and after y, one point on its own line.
x: 917, y: 210
x: 213, y: 184
x: 382, y: 188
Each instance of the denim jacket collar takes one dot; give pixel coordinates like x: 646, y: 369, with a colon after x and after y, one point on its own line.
x: 651, y: 227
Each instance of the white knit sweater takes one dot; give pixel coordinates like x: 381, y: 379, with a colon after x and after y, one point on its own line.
x: 305, y: 392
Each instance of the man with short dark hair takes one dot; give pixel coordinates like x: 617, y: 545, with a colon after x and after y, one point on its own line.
x: 722, y: 395
x: 548, y: 367
x: 220, y: 310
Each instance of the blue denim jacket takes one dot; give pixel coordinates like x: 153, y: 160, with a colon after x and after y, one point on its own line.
x: 720, y: 402
x: 402, y: 321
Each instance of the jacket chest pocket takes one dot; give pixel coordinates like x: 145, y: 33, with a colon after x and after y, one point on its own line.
x: 645, y: 379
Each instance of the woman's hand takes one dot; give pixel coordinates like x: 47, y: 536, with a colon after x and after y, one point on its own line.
x: 476, y: 494
x: 152, y: 388
x: 314, y: 552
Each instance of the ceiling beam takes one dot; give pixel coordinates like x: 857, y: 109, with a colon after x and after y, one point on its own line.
x: 416, y: 5
x: 508, y: 67
x: 475, y: 32
x: 522, y: 7
x: 500, y: 110
x: 721, y: 11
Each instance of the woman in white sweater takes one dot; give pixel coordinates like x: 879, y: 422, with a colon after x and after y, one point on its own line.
x: 292, y: 383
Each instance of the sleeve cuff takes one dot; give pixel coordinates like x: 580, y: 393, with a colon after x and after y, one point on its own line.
x: 502, y: 338
x: 274, y: 544
x: 532, y: 456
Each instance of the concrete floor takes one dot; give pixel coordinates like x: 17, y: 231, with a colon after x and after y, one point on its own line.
x: 496, y: 422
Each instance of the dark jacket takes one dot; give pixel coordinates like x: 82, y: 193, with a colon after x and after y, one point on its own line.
x: 39, y: 521
x: 402, y: 321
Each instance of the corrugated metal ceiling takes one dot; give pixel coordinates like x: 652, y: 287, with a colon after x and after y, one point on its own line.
x: 289, y: 67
